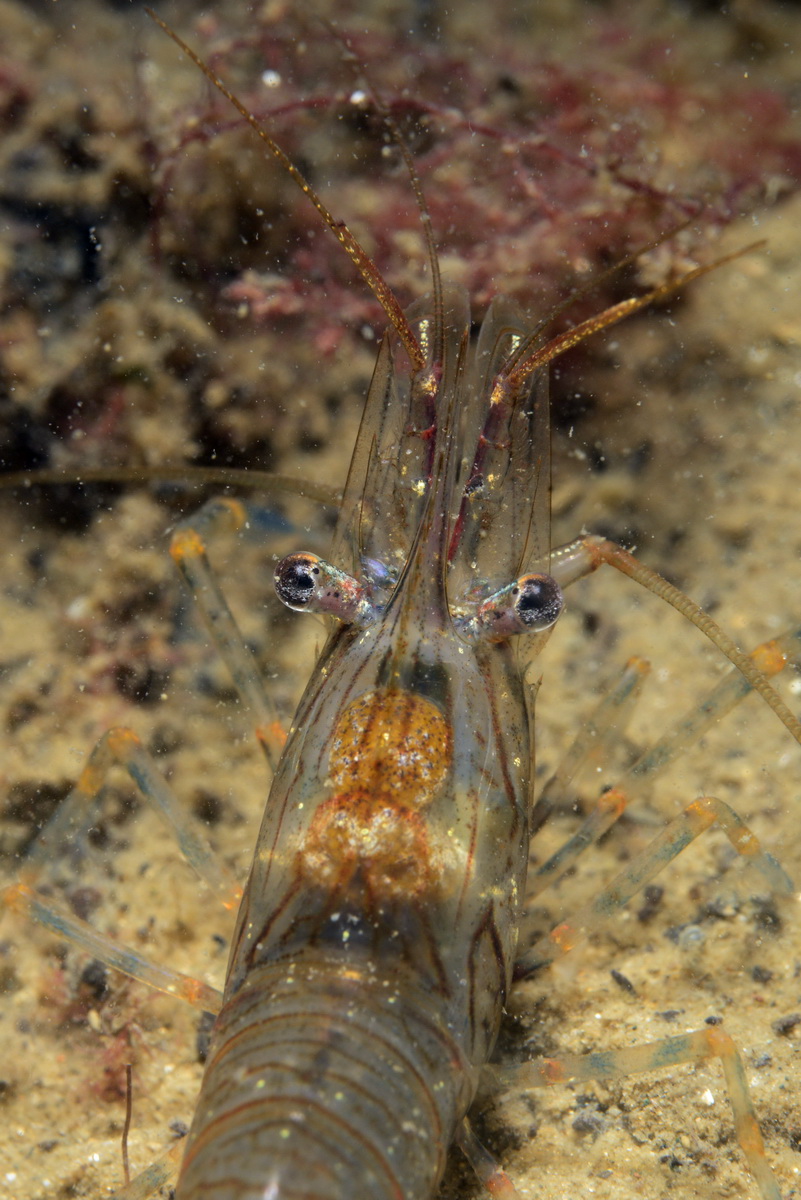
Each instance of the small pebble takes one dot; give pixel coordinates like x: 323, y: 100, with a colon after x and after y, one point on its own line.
x: 623, y: 982
x: 786, y: 1025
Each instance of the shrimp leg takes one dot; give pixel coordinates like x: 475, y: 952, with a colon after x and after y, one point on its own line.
x: 20, y: 898
x: 703, y: 1044
x: 598, y: 733
x: 188, y: 549
x: 580, y: 558
x: 122, y: 748
x: 490, y: 1174
x: 696, y: 818
x: 770, y: 658
x: 159, y: 1174
x: 597, y: 737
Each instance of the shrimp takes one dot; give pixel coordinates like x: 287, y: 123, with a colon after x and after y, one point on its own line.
x: 380, y: 918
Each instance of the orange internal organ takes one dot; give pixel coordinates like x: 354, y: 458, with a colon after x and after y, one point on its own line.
x: 386, y: 847
x: 394, y: 745
x: 390, y: 753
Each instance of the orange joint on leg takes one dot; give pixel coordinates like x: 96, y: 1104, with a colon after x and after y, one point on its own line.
x: 598, y: 551
x: 234, y: 900
x: 500, y: 1186
x: 638, y: 664
x: 187, y: 544
x: 190, y: 991
x: 612, y: 801
x: 720, y: 1043
x: 552, y: 1070
x: 768, y: 658
x: 122, y: 741
x: 236, y: 510
x: 273, y: 733
x: 564, y: 936
x: 17, y: 897
x: 745, y: 843
x: 700, y: 814
x: 749, y: 1135
x: 90, y: 781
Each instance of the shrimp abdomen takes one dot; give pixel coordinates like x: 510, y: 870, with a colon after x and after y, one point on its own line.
x: 326, y: 1078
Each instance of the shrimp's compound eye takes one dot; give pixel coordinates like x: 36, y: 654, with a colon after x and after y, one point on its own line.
x: 529, y: 605
x: 307, y: 583
x: 538, y: 601
x: 296, y: 579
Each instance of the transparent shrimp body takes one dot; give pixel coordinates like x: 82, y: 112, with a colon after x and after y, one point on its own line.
x: 375, y: 942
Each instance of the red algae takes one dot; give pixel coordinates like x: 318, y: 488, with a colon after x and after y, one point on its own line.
x: 539, y: 171
x: 542, y: 166
x: 151, y: 249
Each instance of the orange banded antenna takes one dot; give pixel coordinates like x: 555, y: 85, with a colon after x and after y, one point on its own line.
x: 347, y: 239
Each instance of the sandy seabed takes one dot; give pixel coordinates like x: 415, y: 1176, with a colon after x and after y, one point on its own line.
x: 95, y: 632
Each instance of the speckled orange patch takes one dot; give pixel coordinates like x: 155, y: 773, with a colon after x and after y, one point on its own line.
x: 390, y: 753
x: 388, y: 846
x: 393, y: 745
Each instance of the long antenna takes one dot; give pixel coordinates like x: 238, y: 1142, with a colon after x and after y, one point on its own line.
x: 527, y: 358
x: 353, y: 247
x: 597, y: 281
x: 417, y: 187
x: 184, y: 473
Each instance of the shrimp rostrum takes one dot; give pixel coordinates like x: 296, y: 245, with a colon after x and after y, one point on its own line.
x: 377, y: 937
